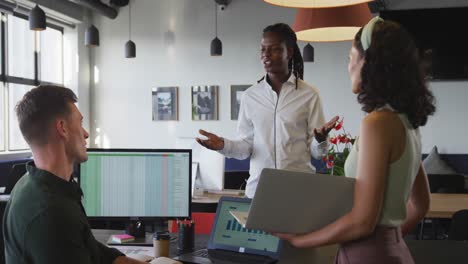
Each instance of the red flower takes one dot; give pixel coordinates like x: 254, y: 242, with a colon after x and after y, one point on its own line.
x: 339, y: 125
x: 334, y: 140
x: 330, y: 164
x: 342, y: 138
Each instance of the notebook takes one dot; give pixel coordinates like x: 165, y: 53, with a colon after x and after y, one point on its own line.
x: 297, y: 202
x: 230, y: 243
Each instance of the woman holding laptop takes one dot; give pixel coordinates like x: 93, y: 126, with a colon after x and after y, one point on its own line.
x: 391, y: 189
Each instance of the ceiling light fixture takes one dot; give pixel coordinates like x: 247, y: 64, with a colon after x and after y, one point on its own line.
x: 315, y: 3
x: 308, y: 53
x: 216, y: 47
x: 130, y: 47
x: 92, y: 36
x: 330, y: 24
x: 37, y: 19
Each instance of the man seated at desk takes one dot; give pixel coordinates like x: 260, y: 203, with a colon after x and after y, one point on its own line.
x: 44, y: 221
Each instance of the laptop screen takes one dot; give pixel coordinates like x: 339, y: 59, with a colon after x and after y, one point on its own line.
x: 228, y: 234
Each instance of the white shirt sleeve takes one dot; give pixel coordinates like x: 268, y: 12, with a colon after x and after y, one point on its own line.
x: 316, y: 120
x: 241, y: 147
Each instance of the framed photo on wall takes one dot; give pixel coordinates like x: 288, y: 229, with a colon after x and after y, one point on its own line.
x: 205, y: 102
x: 165, y: 103
x: 236, y: 94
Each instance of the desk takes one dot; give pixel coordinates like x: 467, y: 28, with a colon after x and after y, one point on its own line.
x: 423, y: 251
x: 201, y: 241
x: 214, y: 196
x: 444, y: 205
x: 207, y: 201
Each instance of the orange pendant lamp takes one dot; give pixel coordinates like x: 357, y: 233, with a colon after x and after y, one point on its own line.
x: 315, y: 3
x: 330, y: 24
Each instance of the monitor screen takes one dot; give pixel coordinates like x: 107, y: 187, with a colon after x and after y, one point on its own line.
x: 136, y: 183
x: 209, y: 173
x: 441, y: 43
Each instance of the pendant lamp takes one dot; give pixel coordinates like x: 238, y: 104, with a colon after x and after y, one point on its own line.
x: 216, y: 47
x: 315, y: 3
x: 130, y: 48
x: 330, y: 24
x: 37, y: 19
x: 92, y: 36
x: 308, y: 53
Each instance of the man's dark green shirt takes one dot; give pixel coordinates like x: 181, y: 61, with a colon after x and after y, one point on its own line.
x: 45, y: 222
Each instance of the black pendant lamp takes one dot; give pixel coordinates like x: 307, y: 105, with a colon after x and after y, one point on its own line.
x: 308, y: 53
x: 92, y: 36
x: 216, y: 47
x: 130, y: 48
x: 37, y: 19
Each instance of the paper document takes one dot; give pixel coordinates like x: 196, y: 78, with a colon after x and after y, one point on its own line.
x: 241, y: 217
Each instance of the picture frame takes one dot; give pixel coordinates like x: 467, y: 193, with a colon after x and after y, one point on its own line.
x: 236, y: 94
x: 205, y: 102
x: 165, y: 103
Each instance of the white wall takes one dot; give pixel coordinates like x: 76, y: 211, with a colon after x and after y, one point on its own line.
x: 121, y: 96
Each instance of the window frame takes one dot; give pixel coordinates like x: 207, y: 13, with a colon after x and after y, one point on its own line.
x: 7, y: 79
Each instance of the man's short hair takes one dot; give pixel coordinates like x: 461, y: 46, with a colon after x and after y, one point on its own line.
x: 39, y: 107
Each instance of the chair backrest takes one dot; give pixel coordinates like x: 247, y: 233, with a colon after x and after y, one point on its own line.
x: 459, y: 226
x: 17, y: 171
x: 235, y: 179
x: 446, y: 183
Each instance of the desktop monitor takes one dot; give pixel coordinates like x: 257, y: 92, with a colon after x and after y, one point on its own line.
x: 136, y: 184
x: 208, y: 170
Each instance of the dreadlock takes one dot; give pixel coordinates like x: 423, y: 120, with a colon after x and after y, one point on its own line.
x: 295, y: 64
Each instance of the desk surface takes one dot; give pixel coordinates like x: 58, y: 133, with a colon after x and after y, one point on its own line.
x: 444, y: 205
x: 423, y: 251
x: 214, y: 196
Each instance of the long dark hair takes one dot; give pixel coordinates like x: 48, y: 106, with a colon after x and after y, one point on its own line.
x: 392, y: 74
x: 284, y: 31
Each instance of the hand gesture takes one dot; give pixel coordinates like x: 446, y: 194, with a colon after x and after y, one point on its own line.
x: 321, y: 134
x: 212, y: 142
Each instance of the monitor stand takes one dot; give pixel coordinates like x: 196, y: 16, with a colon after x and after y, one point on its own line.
x: 135, y: 228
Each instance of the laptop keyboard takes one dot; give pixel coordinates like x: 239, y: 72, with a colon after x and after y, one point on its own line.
x: 237, y: 257
x: 201, y: 253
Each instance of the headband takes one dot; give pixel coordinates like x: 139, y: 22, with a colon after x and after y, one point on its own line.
x: 366, y: 35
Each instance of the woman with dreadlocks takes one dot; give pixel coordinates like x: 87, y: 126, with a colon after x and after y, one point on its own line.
x: 281, y: 121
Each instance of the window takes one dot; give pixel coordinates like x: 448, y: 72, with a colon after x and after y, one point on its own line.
x: 2, y: 121
x: 20, y: 48
x: 51, y: 55
x: 28, y: 58
x: 16, y: 92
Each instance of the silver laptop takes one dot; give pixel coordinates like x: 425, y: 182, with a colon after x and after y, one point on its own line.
x: 297, y: 202
x: 231, y: 243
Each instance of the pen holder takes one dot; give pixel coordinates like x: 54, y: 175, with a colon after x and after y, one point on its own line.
x: 186, y: 234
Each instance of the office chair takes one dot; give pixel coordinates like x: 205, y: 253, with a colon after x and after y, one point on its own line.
x: 235, y: 179
x: 446, y: 183
x: 443, y: 183
x: 17, y: 171
x: 459, y: 226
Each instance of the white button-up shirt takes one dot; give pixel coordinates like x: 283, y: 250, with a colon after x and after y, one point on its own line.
x: 277, y: 131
